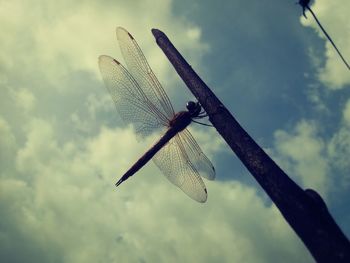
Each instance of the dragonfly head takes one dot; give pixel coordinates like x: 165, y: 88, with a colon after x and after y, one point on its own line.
x: 194, y: 108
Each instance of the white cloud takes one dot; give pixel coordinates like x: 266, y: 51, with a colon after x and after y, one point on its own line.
x: 302, y: 153
x: 339, y: 147
x: 314, y: 162
x: 333, y: 15
x: 346, y: 113
x: 51, y: 69
x: 66, y: 37
x: 71, y: 210
x: 39, y: 149
x: 339, y: 152
x: 8, y: 146
x: 208, y: 139
x: 24, y: 99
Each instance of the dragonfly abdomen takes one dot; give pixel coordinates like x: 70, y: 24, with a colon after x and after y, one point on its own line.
x: 169, y: 134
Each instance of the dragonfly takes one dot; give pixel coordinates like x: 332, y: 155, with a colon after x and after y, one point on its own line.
x: 142, y: 102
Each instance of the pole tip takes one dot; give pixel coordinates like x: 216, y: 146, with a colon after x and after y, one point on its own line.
x: 157, y: 33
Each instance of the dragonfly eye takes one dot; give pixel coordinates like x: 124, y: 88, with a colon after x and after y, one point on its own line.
x: 193, y: 107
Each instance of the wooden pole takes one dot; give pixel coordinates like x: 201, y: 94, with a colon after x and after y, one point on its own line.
x: 305, y: 211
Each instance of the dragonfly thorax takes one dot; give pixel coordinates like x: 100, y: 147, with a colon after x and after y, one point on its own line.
x: 183, y: 118
x: 194, y: 108
x: 180, y: 121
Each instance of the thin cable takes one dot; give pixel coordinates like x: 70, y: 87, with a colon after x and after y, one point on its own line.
x: 329, y: 38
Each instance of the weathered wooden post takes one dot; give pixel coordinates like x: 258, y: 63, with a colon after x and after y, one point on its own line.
x: 305, y: 211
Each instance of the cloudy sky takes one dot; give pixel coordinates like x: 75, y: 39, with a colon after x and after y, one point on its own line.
x: 63, y: 146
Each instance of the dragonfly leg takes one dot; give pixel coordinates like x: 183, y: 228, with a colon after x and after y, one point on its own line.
x: 209, y: 125
x: 202, y: 114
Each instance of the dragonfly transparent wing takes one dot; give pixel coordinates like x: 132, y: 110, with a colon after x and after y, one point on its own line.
x: 174, y: 161
x: 142, y: 72
x: 141, y: 101
x: 131, y: 102
x: 197, y: 158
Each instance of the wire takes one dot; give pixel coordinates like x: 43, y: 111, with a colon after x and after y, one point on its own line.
x: 324, y: 31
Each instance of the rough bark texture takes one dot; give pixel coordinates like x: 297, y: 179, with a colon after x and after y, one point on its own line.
x: 305, y: 211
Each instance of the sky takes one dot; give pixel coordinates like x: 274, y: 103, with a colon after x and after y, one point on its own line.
x: 63, y: 145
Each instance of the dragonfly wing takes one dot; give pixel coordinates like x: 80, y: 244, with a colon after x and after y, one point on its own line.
x: 142, y: 72
x: 175, y: 164
x: 198, y: 159
x: 131, y: 102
